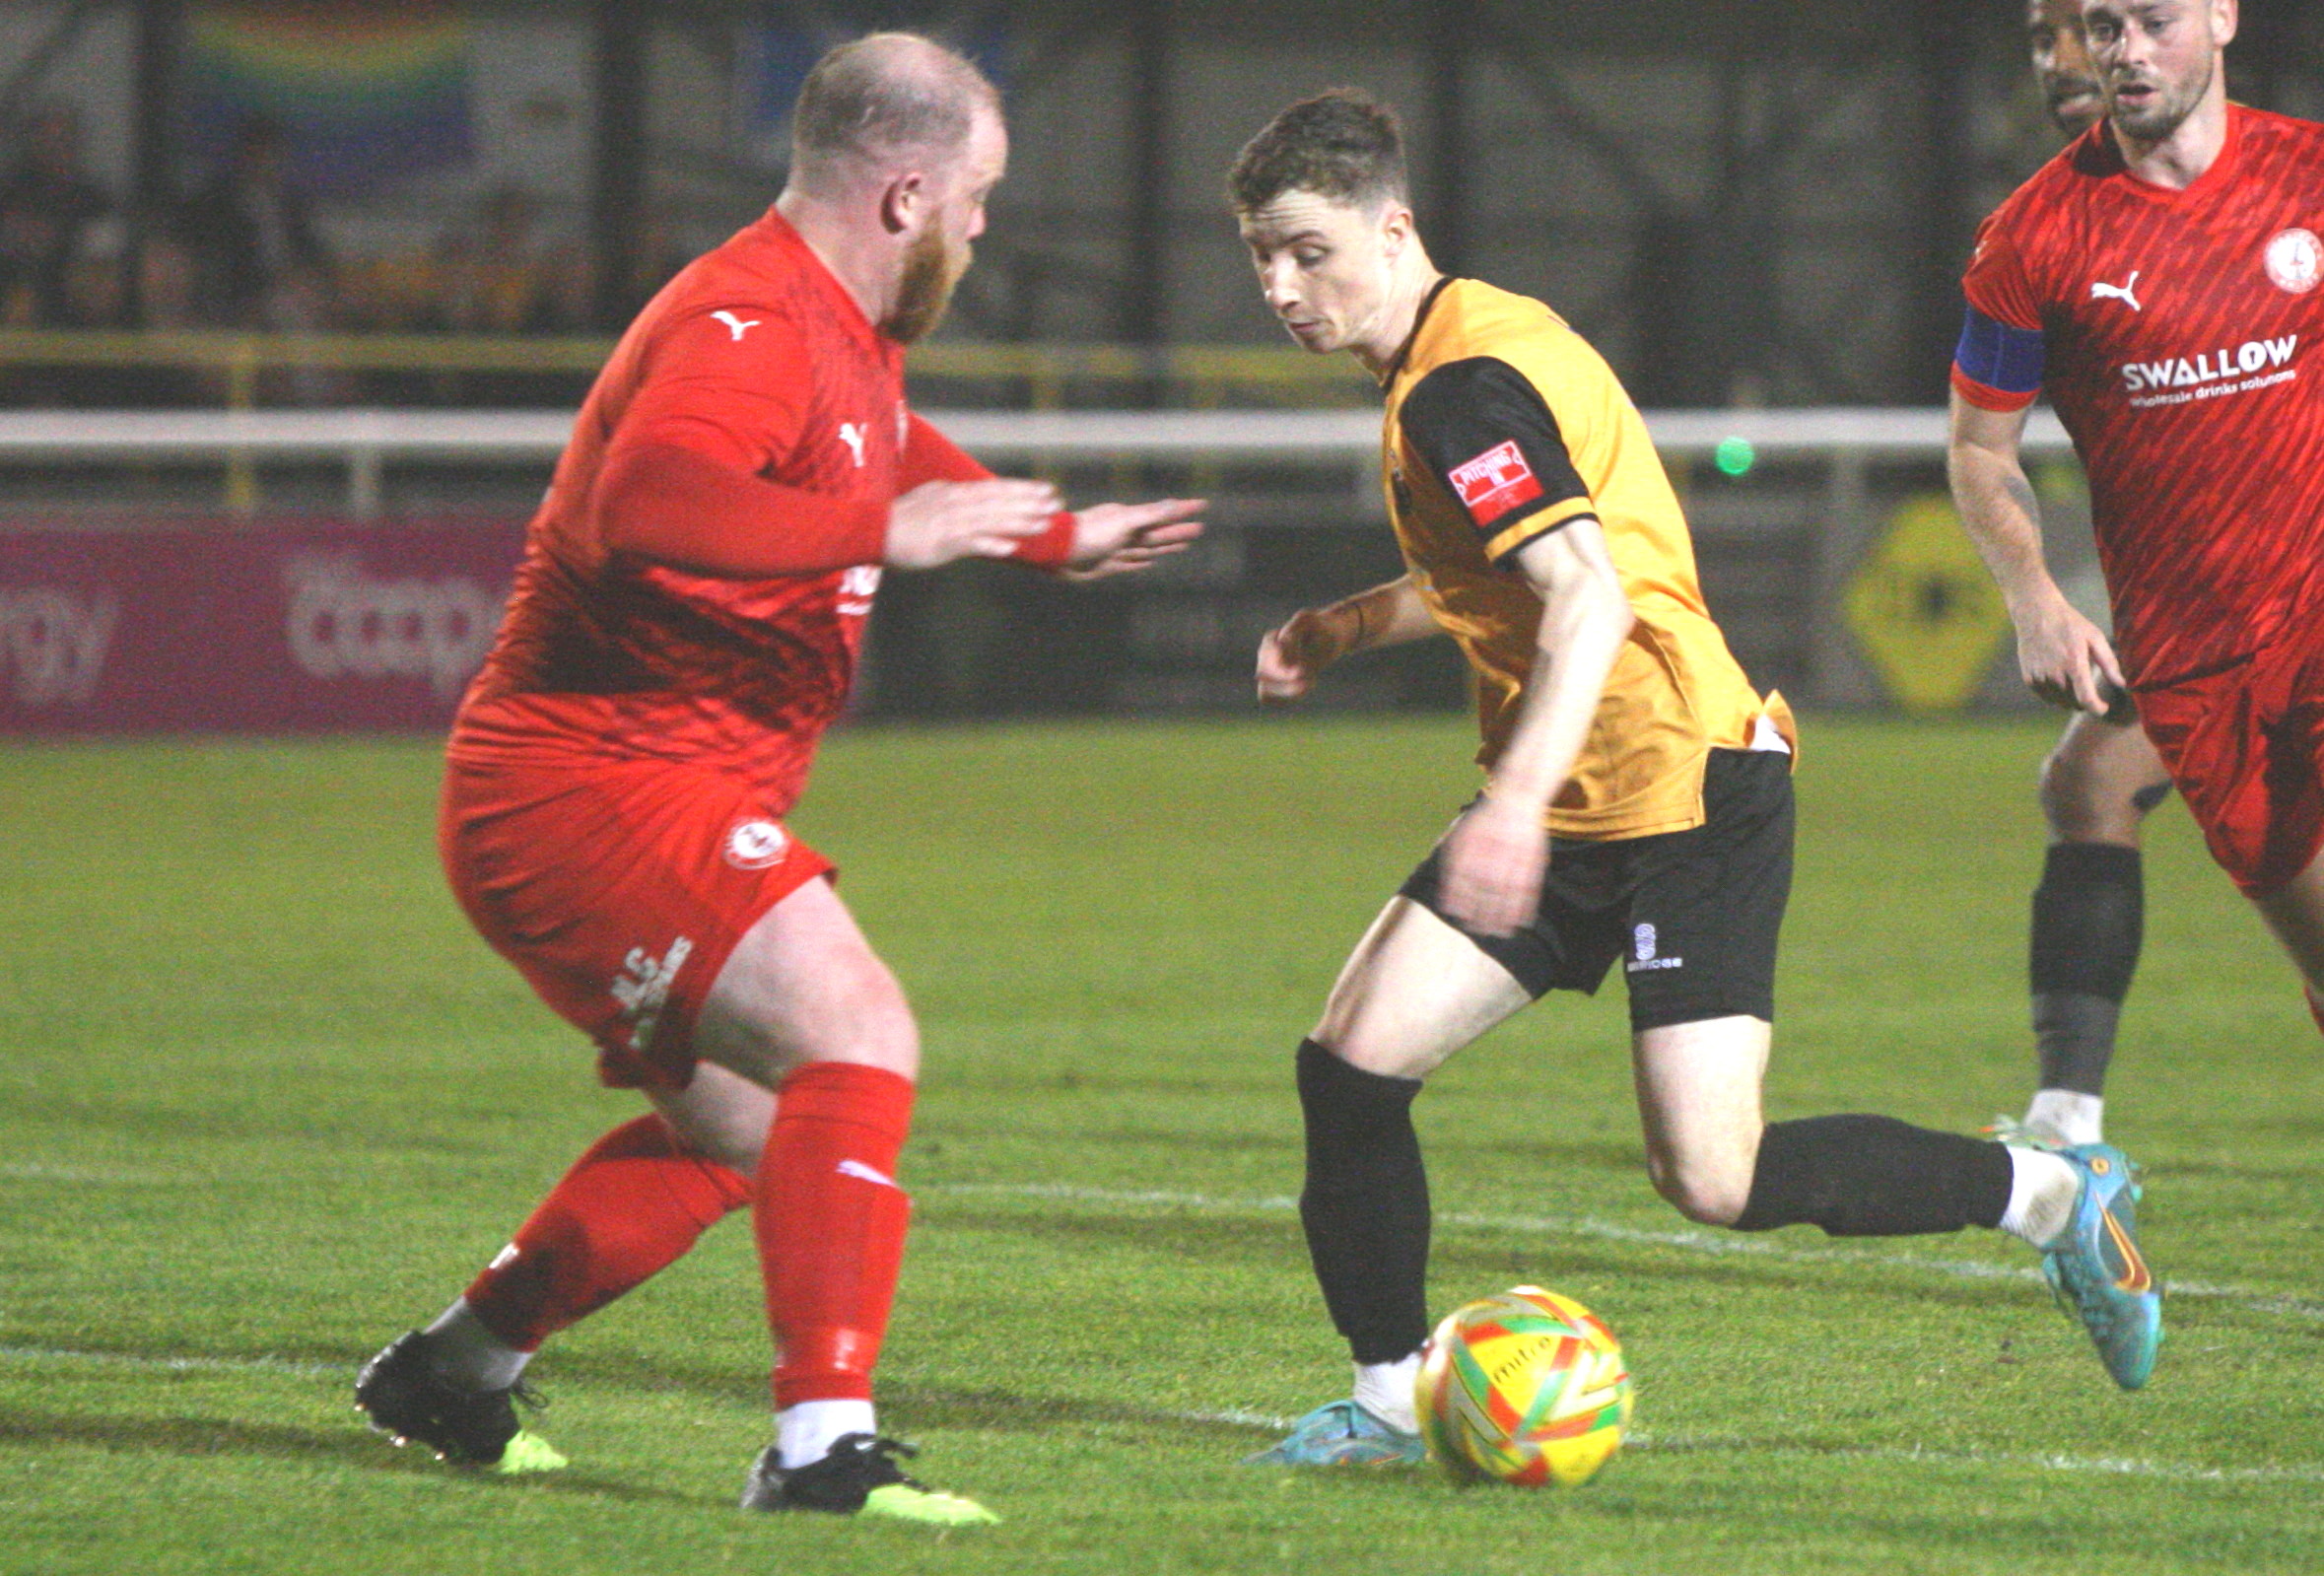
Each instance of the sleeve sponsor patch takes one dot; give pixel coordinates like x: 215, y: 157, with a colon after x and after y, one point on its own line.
x: 1495, y: 482
x: 1481, y: 428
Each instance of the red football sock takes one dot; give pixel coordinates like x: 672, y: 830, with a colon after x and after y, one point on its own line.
x: 629, y: 1207
x: 830, y: 1222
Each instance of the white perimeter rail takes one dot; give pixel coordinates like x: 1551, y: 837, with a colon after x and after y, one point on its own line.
x: 368, y: 441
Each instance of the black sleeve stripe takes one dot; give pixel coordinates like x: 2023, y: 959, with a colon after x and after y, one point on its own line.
x: 1535, y: 526
x: 1485, y: 431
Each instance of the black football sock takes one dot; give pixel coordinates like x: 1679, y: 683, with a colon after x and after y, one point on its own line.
x: 1365, y: 1206
x: 1875, y: 1177
x: 2088, y: 918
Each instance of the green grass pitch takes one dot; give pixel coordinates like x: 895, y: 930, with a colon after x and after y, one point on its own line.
x: 264, y: 1102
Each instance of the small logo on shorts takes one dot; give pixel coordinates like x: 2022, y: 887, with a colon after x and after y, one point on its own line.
x: 756, y: 844
x: 1642, y: 952
x: 643, y: 988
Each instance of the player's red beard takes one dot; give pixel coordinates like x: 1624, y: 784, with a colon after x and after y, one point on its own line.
x: 2162, y: 108
x: 930, y: 271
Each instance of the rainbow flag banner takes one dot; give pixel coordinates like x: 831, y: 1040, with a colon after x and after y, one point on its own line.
x: 366, y: 92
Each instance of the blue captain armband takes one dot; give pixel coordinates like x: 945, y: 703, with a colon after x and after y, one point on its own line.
x: 1996, y: 356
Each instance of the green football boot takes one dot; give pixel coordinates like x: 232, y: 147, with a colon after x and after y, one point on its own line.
x: 1342, y: 1434
x: 2097, y: 1272
x: 858, y: 1477
x: 403, y: 1397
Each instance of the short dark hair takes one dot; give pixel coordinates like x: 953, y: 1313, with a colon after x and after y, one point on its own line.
x: 1344, y: 145
x: 884, y: 92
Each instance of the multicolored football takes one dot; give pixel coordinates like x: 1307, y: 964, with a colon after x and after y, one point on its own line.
x: 1526, y: 1388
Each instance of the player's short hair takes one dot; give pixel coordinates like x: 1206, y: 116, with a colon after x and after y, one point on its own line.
x: 885, y: 94
x: 1344, y: 145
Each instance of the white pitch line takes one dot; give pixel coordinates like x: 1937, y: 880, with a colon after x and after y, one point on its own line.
x: 1607, y: 1230
x: 2170, y: 1471
x: 145, y: 1362
x: 2122, y: 1467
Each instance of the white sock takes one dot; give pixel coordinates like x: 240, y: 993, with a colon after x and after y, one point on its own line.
x: 2042, y: 1189
x: 805, y: 1433
x: 463, y: 1351
x: 1385, y: 1390
x: 2074, y: 1118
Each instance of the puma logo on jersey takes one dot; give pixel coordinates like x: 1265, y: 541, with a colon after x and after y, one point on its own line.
x: 851, y: 434
x: 736, y: 325
x: 2102, y: 291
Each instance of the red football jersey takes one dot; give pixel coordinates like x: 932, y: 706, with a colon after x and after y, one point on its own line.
x: 2176, y: 331
x: 755, y: 357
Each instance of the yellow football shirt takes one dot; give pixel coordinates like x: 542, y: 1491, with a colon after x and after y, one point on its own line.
x: 1503, y: 425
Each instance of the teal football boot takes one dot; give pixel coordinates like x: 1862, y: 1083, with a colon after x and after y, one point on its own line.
x: 1342, y: 1434
x: 2097, y: 1272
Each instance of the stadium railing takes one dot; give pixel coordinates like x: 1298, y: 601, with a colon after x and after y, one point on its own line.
x: 233, y: 365
x: 365, y: 440
x: 1785, y: 550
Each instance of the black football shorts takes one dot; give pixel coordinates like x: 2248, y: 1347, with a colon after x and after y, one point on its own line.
x: 1693, y: 916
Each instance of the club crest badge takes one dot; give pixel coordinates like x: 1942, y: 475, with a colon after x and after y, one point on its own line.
x: 2295, y: 261
x: 756, y: 844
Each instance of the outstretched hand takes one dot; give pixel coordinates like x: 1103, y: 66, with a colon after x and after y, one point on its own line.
x: 2066, y: 659
x: 1116, y: 539
x: 937, y: 522
x: 1292, y: 654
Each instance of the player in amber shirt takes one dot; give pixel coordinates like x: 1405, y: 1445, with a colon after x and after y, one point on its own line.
x: 685, y: 625
x: 1638, y: 798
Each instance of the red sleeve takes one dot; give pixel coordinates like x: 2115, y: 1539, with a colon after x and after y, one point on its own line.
x: 732, y: 385
x: 2004, y: 326
x: 930, y: 456
x: 721, y: 401
x: 1998, y: 282
x: 672, y: 505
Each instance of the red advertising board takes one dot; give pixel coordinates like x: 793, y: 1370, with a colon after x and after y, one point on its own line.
x: 247, y: 628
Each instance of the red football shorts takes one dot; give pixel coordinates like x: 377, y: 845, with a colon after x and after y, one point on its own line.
x: 619, y: 890
x: 2246, y: 746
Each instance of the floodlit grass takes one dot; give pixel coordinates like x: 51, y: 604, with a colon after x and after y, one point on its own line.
x: 265, y: 1101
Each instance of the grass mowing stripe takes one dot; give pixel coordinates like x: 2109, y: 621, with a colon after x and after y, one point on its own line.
x: 148, y: 1361
x: 1238, y: 1417
x: 81, y: 1176
x: 271, y: 1002
x: 1607, y: 1230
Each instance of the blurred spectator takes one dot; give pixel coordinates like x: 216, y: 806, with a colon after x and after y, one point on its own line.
x: 569, y: 305
x: 252, y: 236
x: 494, y: 272
x: 167, y: 285
x: 46, y: 205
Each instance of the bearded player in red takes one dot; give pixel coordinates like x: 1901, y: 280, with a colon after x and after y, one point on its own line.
x: 2097, y: 787
x: 2161, y: 279
x: 686, y: 623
